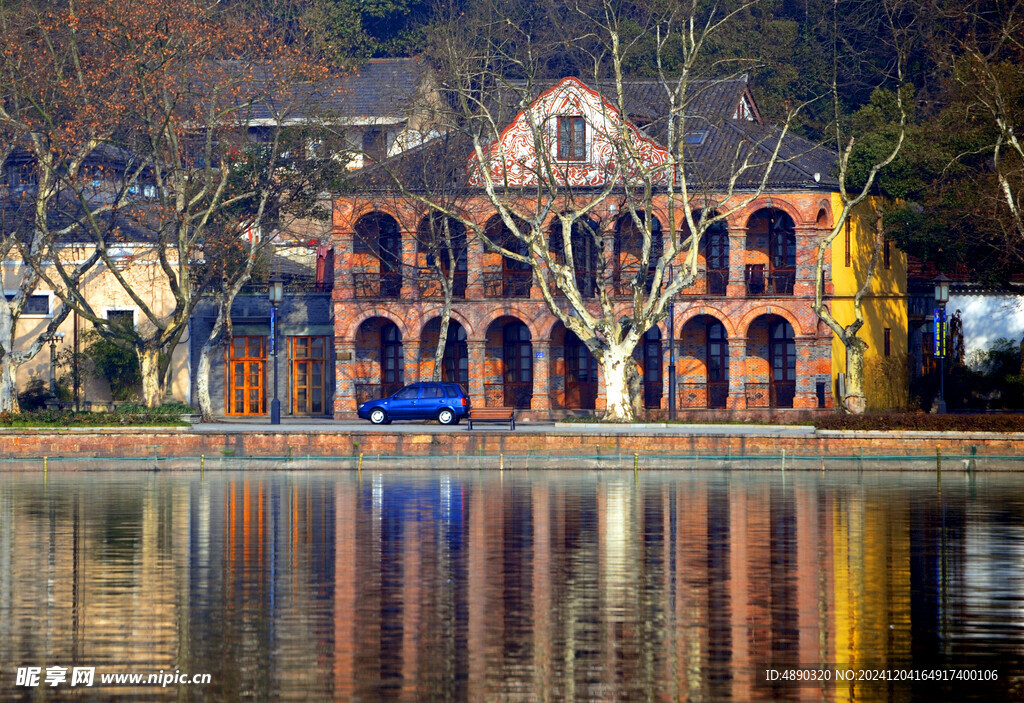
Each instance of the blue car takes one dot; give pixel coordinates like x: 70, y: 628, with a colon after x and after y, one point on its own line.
x: 444, y: 402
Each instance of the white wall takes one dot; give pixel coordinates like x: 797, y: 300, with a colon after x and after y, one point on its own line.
x: 986, y: 318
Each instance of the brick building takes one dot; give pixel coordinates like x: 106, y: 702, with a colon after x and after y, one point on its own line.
x: 745, y: 337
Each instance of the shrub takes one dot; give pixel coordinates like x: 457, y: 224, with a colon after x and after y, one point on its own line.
x: 34, y: 396
x: 114, y: 362
x: 921, y: 421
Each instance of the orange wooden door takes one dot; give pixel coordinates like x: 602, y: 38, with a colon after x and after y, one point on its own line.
x: 246, y: 370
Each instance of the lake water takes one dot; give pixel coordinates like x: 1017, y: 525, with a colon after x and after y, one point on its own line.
x: 514, y: 586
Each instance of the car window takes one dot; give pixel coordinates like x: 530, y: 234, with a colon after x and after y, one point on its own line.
x: 407, y: 393
x: 452, y: 391
x: 432, y: 392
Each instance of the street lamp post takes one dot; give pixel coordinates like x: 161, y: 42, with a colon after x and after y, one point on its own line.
x: 941, y: 298
x: 275, y: 293
x: 53, y: 339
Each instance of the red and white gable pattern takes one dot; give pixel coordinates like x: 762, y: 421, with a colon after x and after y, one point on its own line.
x: 513, y: 156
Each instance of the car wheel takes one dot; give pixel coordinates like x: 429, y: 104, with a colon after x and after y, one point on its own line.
x: 446, y: 416
x: 378, y: 416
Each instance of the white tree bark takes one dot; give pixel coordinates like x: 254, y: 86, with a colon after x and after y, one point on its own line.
x: 152, y: 378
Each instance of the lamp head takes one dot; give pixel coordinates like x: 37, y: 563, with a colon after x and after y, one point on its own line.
x: 276, y: 290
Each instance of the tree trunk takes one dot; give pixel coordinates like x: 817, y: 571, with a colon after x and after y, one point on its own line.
x: 152, y: 390
x: 206, y: 363
x: 618, y: 366
x: 442, y: 339
x: 855, y: 401
x: 8, y: 385
x: 203, y: 383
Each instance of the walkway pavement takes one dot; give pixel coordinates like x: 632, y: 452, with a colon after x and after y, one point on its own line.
x: 313, y: 425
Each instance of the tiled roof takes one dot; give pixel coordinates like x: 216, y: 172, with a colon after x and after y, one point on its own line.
x: 382, y: 89
x: 720, y: 143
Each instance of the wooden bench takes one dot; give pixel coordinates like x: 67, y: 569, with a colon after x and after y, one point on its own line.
x: 492, y: 415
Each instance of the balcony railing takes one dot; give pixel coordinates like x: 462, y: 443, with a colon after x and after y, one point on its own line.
x: 776, y: 282
x: 623, y: 278
x: 712, y: 394
x: 777, y: 394
x: 509, y: 395
x: 429, y: 284
x: 374, y: 391
x: 507, y: 284
x: 717, y: 282
x: 376, y: 284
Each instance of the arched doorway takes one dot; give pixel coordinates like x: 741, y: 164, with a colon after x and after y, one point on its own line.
x: 377, y: 234
x: 704, y: 364
x: 455, y: 362
x: 652, y: 357
x: 580, y: 374
x: 517, y: 362
x: 771, y: 363
x: 380, y: 360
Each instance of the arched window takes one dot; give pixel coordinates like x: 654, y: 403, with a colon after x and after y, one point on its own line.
x: 515, y: 277
x: 585, y: 249
x: 775, y: 229
x: 629, y: 246
x: 443, y: 241
x: 377, y: 233
x: 715, y: 245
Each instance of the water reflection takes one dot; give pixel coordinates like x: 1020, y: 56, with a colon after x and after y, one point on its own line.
x: 513, y: 587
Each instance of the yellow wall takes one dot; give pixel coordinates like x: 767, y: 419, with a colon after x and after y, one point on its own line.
x: 885, y: 306
x: 102, y: 291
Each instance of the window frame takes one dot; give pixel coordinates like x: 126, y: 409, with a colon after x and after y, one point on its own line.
x: 575, y: 151
x: 124, y: 308
x: 25, y: 315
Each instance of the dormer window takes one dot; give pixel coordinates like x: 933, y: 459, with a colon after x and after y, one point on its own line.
x: 572, y: 139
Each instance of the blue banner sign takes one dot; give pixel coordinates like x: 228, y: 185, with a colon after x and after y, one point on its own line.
x: 941, y: 329
x: 273, y: 322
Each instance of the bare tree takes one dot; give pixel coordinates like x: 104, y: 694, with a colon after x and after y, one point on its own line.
x: 492, y: 64
x: 59, y: 108
x: 183, y: 105
x: 857, y: 174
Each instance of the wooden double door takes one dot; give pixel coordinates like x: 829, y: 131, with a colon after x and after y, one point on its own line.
x: 248, y: 378
x: 309, y: 375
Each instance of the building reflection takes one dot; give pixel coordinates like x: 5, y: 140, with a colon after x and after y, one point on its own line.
x: 405, y: 587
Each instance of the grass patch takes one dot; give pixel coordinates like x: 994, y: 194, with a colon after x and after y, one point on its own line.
x: 981, y: 422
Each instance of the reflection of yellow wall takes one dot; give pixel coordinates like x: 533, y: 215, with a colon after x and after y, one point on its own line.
x: 872, y: 589
x: 143, y: 273
x: 885, y: 307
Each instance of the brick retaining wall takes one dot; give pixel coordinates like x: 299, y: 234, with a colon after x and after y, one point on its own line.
x: 557, y: 444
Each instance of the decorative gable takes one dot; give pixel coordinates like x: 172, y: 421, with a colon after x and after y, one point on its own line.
x: 580, y: 133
